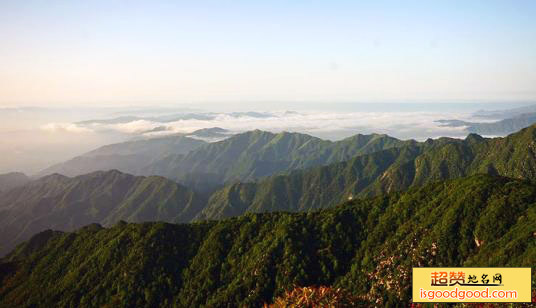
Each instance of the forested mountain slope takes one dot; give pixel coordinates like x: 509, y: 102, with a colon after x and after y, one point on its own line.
x: 384, y: 171
x: 105, y: 197
x: 256, y: 154
x: 365, y: 246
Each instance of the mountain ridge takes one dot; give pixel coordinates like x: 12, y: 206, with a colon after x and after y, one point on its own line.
x: 256, y: 154
x: 104, y: 197
x: 129, y: 156
x: 385, y: 171
x: 11, y: 180
x: 366, y: 246
x: 497, y: 128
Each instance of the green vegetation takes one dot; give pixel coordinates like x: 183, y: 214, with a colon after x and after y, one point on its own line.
x: 365, y: 246
x: 105, y: 197
x: 65, y: 204
x: 393, y: 169
x: 256, y: 154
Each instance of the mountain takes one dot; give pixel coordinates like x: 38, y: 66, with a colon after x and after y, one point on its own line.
x: 203, y: 166
x: 57, y: 199
x: 384, y: 171
x: 256, y: 154
x: 52, y: 202
x: 11, y: 180
x: 505, y: 114
x: 104, y: 197
x: 498, y: 128
x: 127, y: 157
x: 212, y: 134
x: 365, y: 246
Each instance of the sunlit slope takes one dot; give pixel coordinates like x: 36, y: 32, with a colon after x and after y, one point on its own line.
x: 256, y: 154
x: 365, y: 246
x: 384, y: 171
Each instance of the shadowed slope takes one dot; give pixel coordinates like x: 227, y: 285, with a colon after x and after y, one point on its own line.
x: 102, y: 197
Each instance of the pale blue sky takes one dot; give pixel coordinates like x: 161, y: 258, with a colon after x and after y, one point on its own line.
x: 138, y: 52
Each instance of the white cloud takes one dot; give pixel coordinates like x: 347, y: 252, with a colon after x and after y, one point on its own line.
x: 333, y: 125
x: 65, y: 127
x: 134, y: 127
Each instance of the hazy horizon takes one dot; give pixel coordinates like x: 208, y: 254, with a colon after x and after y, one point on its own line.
x: 342, y: 67
x: 34, y: 138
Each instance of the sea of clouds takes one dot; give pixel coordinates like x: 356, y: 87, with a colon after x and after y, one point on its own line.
x: 33, y: 139
x: 329, y: 125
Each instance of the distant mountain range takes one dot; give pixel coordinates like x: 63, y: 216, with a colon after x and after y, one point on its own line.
x: 505, y: 114
x: 104, y: 197
x: 366, y: 246
x: 364, y: 166
x: 498, y: 128
x: 192, y: 161
x: 132, y: 156
x: 11, y: 180
x: 252, y: 155
x: 245, y: 156
x: 128, y: 157
x: 206, y: 166
x: 380, y: 172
